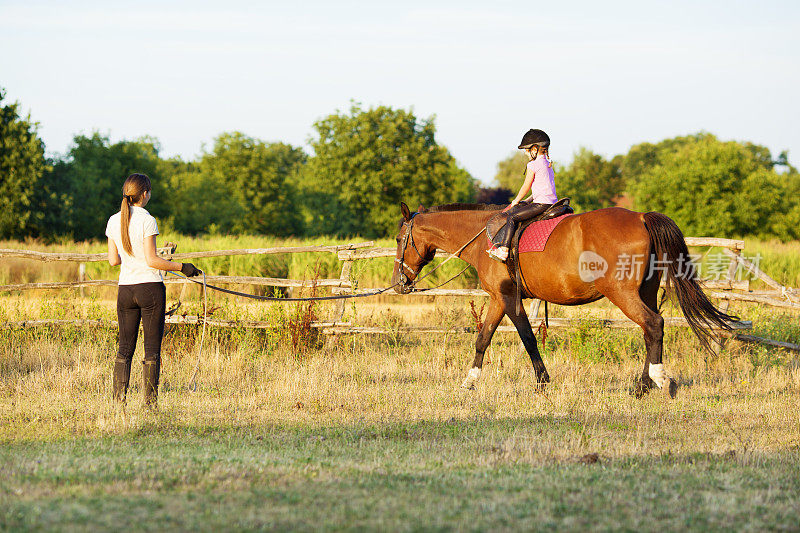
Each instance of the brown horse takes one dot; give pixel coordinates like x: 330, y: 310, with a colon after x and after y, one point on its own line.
x: 612, y: 253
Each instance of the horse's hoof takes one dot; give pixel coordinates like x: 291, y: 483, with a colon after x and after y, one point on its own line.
x: 642, y: 387
x: 672, y: 388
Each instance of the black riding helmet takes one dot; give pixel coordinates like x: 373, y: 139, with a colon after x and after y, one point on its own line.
x: 534, y: 138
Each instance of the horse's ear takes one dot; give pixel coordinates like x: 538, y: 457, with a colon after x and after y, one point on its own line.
x: 406, y: 213
x: 422, y: 209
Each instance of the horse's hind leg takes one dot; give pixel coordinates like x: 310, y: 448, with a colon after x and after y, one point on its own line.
x: 493, y: 317
x: 653, y: 374
x: 641, y: 307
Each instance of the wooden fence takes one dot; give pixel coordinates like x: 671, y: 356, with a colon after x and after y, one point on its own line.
x: 349, y: 253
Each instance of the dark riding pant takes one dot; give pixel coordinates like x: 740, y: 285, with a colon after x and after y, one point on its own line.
x: 145, y: 303
x: 502, y: 226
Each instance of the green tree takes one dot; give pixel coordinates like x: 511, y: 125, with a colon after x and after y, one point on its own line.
x: 52, y: 202
x: 93, y: 172
x: 783, y: 191
x: 709, y: 187
x: 511, y: 171
x: 368, y: 161
x: 22, y: 167
x: 253, y: 184
x: 198, y: 204
x: 591, y: 181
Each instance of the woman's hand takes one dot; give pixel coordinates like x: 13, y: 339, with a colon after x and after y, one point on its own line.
x: 189, y: 270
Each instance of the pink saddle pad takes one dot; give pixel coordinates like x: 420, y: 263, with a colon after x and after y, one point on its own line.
x: 535, y: 236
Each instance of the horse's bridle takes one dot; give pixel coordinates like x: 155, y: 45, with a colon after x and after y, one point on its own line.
x: 408, y: 238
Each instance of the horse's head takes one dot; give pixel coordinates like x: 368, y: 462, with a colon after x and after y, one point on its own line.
x: 413, y: 252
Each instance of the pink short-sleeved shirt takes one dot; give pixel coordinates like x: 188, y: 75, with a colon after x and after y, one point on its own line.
x: 543, y: 188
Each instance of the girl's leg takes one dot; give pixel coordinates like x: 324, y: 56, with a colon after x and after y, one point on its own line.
x: 520, y: 212
x: 128, y: 315
x: 525, y: 211
x: 153, y: 299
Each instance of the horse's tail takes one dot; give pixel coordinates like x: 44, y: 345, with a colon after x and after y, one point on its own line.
x: 669, y: 248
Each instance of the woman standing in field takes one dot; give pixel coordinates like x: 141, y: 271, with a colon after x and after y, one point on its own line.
x: 141, y: 294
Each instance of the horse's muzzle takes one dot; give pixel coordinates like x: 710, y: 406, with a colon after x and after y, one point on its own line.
x: 403, y: 289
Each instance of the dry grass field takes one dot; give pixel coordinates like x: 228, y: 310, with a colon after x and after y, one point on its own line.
x: 367, y: 432
x: 297, y: 431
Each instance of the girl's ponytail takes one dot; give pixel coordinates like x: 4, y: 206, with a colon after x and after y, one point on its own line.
x: 546, y: 152
x: 132, y: 191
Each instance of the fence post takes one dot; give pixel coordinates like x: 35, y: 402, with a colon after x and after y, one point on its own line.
x: 347, y: 267
x: 81, y: 276
x: 731, y: 276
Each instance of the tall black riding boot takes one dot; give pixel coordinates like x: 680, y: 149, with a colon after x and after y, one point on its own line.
x: 500, y: 230
x: 150, y: 372
x: 122, y: 374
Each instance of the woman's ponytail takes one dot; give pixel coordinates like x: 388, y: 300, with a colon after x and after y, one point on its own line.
x: 132, y: 191
x: 125, y: 221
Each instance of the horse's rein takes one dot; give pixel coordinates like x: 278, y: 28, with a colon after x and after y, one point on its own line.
x: 206, y: 286
x: 349, y: 296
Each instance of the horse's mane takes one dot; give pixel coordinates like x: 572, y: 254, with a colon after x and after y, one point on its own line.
x: 462, y: 207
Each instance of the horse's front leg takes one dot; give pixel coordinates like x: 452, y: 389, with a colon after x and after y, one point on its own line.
x: 520, y: 321
x: 493, y: 317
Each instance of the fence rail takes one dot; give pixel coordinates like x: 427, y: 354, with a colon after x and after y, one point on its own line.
x: 351, y: 252
x: 167, y: 252
x: 242, y: 280
x: 190, y: 320
x: 613, y: 323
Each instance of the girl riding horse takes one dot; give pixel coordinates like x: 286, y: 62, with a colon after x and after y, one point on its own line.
x: 587, y: 257
x: 539, y: 180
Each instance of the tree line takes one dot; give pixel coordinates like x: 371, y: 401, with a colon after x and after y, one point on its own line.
x: 708, y: 186
x: 363, y: 163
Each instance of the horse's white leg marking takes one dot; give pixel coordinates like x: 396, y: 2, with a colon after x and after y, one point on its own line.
x: 658, y: 374
x: 472, y: 376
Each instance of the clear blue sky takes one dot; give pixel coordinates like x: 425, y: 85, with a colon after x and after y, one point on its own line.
x: 604, y: 75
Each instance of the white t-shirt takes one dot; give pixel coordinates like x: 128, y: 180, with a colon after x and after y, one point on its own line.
x: 134, y: 267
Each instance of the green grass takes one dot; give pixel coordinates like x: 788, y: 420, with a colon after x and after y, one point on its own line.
x: 364, y: 433
x: 373, y: 433
x: 419, y: 476
x: 780, y: 260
